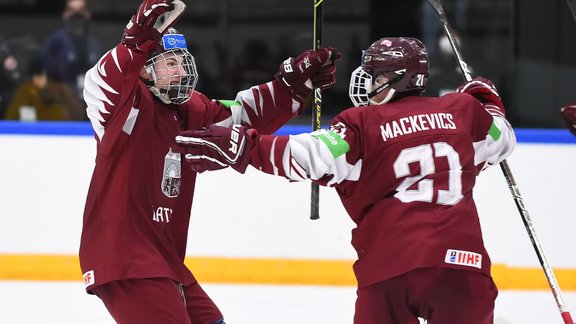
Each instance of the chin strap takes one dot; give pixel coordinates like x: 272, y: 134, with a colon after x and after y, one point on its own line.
x: 384, y: 87
x: 386, y: 99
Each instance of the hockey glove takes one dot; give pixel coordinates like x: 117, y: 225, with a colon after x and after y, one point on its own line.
x: 326, y: 76
x: 569, y: 115
x: 299, y: 73
x: 151, y: 20
x: 483, y: 90
x: 217, y: 147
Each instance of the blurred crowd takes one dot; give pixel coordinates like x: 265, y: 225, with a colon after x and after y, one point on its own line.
x: 42, y: 79
x: 45, y: 81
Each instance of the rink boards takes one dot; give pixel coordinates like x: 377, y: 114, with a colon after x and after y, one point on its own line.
x: 263, y: 234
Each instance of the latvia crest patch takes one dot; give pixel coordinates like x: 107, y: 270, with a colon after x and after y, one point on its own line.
x: 171, y: 177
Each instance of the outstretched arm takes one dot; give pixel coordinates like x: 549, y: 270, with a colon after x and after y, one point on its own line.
x: 323, y: 156
x: 269, y: 106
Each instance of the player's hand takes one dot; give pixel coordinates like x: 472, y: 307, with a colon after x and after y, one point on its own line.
x: 483, y: 90
x: 326, y: 75
x: 151, y: 20
x: 217, y: 147
x: 569, y: 114
x: 311, y: 66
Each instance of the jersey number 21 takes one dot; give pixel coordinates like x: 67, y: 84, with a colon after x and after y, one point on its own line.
x: 424, y: 192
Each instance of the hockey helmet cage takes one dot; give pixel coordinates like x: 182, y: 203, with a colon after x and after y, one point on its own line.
x: 172, y: 69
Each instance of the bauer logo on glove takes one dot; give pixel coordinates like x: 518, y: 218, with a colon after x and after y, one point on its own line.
x: 217, y: 147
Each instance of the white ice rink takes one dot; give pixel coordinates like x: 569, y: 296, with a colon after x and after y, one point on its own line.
x: 66, y: 303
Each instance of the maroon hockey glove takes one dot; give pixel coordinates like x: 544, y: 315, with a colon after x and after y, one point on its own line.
x: 217, y: 147
x: 296, y: 73
x: 483, y: 90
x: 569, y: 115
x: 326, y: 76
x: 151, y: 20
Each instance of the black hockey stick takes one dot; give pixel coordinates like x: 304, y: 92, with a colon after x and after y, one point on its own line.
x: 572, y: 5
x: 317, y: 106
x: 437, y: 6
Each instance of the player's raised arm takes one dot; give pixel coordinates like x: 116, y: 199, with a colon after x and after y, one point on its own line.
x: 109, y: 85
x: 494, y: 138
x: 266, y: 107
x: 320, y: 156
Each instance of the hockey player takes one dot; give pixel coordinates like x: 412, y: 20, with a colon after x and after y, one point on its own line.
x: 404, y: 167
x: 139, y: 96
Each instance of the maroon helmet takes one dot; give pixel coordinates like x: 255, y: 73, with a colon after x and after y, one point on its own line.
x: 403, y: 60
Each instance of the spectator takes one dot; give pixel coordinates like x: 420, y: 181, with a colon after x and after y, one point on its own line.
x: 72, y: 50
x: 41, y: 99
x: 9, y: 76
x: 456, y: 10
x: 445, y: 74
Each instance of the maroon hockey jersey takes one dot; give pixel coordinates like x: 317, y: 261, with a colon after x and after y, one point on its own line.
x: 138, y: 205
x: 404, y: 172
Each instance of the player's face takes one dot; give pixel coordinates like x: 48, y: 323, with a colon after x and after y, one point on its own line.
x: 169, y: 70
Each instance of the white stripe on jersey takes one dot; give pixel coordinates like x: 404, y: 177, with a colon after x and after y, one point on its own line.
x: 272, y: 160
x: 492, y: 151
x: 314, y: 156
x: 95, y: 97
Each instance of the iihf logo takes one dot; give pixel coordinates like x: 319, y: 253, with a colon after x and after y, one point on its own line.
x: 463, y: 258
x: 452, y: 256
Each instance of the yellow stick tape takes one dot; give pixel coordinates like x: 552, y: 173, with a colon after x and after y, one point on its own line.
x: 262, y: 271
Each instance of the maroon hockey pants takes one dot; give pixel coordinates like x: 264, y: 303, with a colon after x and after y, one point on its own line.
x: 157, y: 300
x: 442, y: 296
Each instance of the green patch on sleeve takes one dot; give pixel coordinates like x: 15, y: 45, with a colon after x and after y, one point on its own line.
x: 229, y: 103
x: 333, y: 141
x: 494, y: 132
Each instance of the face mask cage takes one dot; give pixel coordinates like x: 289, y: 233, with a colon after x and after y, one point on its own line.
x: 173, y: 75
x: 360, y: 86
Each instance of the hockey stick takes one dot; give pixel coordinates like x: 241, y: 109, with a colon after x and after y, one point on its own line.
x: 572, y: 5
x: 317, y: 107
x: 439, y: 10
